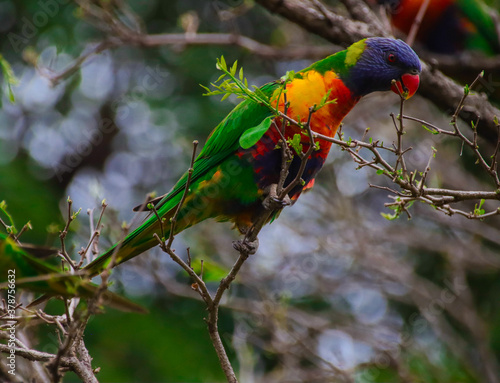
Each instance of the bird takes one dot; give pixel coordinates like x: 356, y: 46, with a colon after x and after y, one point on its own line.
x: 232, y: 178
x: 449, y: 26
x: 229, y: 181
x: 36, y: 269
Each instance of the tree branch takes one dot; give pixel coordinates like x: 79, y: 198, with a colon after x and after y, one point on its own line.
x: 199, y: 285
x: 435, y: 86
x: 80, y: 369
x: 184, y: 40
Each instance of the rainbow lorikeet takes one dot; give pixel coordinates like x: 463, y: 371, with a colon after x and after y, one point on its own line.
x: 449, y: 26
x: 229, y: 182
x: 34, y: 268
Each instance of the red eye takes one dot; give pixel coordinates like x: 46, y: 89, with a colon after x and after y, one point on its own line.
x: 391, y: 57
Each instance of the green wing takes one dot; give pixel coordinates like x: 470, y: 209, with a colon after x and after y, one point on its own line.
x: 223, y: 141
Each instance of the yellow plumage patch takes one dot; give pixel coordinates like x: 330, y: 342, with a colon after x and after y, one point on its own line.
x: 354, y: 52
x: 305, y: 92
x: 309, y: 90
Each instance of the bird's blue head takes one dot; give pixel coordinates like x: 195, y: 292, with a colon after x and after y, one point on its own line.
x: 373, y: 63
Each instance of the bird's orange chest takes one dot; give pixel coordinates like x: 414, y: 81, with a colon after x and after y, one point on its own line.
x: 304, y: 93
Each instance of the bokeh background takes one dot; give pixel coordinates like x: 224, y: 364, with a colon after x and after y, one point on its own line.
x: 335, y: 293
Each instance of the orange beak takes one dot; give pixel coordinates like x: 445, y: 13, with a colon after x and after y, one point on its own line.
x: 407, y: 86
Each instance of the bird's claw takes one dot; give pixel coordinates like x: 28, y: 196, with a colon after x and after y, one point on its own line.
x: 272, y: 200
x: 246, y: 247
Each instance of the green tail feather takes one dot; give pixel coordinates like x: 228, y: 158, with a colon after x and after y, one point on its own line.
x: 194, y: 210
x: 137, y: 242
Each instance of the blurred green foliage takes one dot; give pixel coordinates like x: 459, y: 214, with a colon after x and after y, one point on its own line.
x: 30, y: 199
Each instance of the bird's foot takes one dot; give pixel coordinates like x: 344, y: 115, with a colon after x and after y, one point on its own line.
x: 272, y: 200
x: 246, y: 247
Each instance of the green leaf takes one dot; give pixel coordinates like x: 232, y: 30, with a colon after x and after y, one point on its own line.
x: 478, y: 210
x: 289, y: 76
x: 221, y: 64
x: 250, y: 137
x: 429, y: 129
x: 9, y: 77
x: 398, y: 210
x: 221, y: 77
x: 3, y: 209
x: 76, y: 213
x: 390, y: 217
x: 206, y: 89
x: 324, y: 101
x: 295, y: 143
x: 325, y: 98
x: 233, y: 68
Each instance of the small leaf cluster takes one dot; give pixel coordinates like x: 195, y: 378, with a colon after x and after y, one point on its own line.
x: 295, y: 143
x: 398, y: 208
x: 478, y: 208
x: 325, y: 101
x: 232, y: 83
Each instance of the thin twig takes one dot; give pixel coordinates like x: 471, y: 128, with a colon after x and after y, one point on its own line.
x: 95, y: 234
x: 211, y: 303
x: 56, y: 78
x: 64, y: 232
x: 173, y: 220
x: 305, y: 157
x: 417, y: 22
